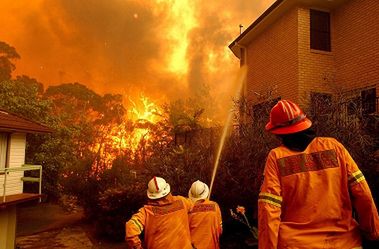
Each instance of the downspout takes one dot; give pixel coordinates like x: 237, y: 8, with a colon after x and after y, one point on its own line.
x: 243, y: 62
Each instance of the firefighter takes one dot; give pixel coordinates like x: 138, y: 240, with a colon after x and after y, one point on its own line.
x: 164, y: 220
x: 311, y: 186
x: 204, y: 219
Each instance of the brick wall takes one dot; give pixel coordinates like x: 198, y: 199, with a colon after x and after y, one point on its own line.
x: 281, y: 55
x: 316, y: 69
x: 356, y: 35
x: 272, y: 59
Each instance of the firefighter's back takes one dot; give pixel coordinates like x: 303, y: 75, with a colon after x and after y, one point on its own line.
x: 316, y: 207
x: 310, y: 187
x: 164, y: 220
x: 205, y: 224
x: 167, y: 224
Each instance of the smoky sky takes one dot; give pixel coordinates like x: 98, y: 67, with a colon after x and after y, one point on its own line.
x: 164, y: 48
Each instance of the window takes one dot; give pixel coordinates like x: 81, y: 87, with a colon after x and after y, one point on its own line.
x: 368, y: 97
x: 321, y: 104
x: 320, y: 30
x: 354, y: 106
x: 3, y: 150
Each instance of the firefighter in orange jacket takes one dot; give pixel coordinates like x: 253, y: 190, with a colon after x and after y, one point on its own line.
x: 311, y: 185
x: 204, y: 219
x: 164, y: 220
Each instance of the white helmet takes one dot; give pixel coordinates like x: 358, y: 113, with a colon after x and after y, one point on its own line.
x: 199, y: 190
x: 157, y: 188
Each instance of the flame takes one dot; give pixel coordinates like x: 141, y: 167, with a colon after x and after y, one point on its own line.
x: 133, y: 132
x: 178, y: 23
x: 142, y: 116
x: 170, y: 47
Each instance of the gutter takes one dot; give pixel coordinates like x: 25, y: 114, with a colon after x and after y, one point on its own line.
x: 237, y: 41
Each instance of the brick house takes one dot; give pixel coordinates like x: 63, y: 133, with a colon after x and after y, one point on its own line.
x: 304, y: 49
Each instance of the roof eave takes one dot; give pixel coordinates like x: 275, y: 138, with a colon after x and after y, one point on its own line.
x: 21, y: 130
x: 17, y: 123
x: 240, y: 41
x: 277, y: 9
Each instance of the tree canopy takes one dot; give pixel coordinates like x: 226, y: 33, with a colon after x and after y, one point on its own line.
x: 7, y: 55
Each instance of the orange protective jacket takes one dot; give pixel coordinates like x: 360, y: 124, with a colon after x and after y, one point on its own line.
x: 307, y: 199
x: 205, y: 225
x: 164, y: 222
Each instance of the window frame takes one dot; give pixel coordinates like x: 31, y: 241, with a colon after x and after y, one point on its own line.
x: 320, y: 30
x: 368, y: 99
x: 6, y: 152
x: 321, y: 97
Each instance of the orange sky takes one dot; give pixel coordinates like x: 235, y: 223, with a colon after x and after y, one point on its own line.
x: 167, y: 49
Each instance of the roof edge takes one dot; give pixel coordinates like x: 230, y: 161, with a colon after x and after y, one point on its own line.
x: 41, y: 129
x: 272, y: 13
x: 253, y: 25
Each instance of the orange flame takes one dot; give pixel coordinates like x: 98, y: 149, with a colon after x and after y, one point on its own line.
x: 134, y: 131
x: 142, y: 117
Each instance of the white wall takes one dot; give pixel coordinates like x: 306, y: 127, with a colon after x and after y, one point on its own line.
x: 8, y: 227
x: 16, y: 159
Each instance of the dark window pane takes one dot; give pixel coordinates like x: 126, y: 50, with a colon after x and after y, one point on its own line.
x: 320, y: 30
x: 354, y: 106
x: 320, y: 21
x: 320, y: 41
x: 368, y: 100
x: 321, y: 104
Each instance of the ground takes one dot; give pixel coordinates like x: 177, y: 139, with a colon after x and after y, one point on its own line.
x: 49, y: 226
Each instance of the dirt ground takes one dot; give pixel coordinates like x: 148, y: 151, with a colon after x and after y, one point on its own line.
x: 49, y: 226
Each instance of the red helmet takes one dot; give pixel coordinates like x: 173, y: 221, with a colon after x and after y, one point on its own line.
x: 286, y: 117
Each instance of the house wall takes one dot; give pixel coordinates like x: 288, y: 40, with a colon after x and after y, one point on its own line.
x: 316, y: 69
x: 272, y: 59
x: 281, y: 55
x: 8, y: 227
x: 356, y: 34
x: 16, y: 158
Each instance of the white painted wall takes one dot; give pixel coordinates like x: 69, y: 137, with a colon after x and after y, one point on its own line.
x: 17, y: 147
x: 8, y: 227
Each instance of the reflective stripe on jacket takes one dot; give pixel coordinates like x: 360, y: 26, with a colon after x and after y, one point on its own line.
x: 164, y: 222
x: 205, y: 225
x: 307, y: 198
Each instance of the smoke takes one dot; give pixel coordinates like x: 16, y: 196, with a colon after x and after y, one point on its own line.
x: 163, y: 48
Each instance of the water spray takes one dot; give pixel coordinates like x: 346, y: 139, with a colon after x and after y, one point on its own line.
x: 240, y: 81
